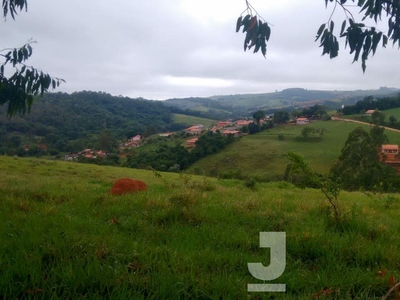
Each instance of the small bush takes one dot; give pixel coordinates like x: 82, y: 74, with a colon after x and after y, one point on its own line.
x: 250, y: 183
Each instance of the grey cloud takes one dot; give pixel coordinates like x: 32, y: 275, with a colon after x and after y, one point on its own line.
x: 131, y: 47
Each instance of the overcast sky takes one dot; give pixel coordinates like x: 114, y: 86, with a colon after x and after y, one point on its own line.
x: 161, y: 49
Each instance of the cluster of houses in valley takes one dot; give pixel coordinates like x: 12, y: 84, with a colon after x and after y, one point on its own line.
x: 225, y: 127
x: 87, y: 153
x: 133, y: 142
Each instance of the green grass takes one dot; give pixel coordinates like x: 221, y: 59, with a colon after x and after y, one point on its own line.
x: 192, y: 120
x: 264, y: 155
x: 64, y: 236
x: 389, y: 112
x: 392, y: 112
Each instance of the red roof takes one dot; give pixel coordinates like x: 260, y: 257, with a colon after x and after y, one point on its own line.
x: 243, y: 122
x: 390, y: 147
x: 231, y: 132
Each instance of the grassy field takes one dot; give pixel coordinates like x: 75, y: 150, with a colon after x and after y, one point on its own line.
x: 263, y: 154
x: 63, y: 236
x: 392, y: 112
x: 192, y: 120
x: 389, y: 112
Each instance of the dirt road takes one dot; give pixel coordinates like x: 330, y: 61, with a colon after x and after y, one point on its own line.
x: 364, y: 123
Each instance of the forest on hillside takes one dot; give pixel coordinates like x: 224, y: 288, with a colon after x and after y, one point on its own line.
x: 58, y: 119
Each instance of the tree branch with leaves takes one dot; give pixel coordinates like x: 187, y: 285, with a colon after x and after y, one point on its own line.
x: 361, y: 39
x: 19, y: 89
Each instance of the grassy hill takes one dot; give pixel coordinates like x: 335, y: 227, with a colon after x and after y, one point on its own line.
x: 191, y: 120
x: 64, y: 236
x: 392, y: 112
x: 244, y: 104
x: 264, y: 155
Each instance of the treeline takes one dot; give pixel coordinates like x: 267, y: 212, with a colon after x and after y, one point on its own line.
x: 176, y: 157
x: 372, y: 103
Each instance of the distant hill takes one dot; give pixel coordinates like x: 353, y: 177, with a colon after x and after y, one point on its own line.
x: 79, y: 114
x: 289, y: 98
x: 72, y: 122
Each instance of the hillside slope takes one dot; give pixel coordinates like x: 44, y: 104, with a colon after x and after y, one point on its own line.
x: 288, y: 98
x: 63, y: 236
x: 264, y: 154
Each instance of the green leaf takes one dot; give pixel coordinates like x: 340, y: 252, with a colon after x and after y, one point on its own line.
x: 263, y: 47
x: 258, y: 45
x: 321, y: 28
x: 343, y: 27
x: 247, y: 39
x: 384, y: 41
x: 238, y: 23
x: 267, y: 32
x: 375, y: 41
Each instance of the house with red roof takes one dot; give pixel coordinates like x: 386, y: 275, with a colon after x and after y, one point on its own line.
x: 195, y: 129
x: 235, y: 133
x: 191, y: 143
x: 302, y: 121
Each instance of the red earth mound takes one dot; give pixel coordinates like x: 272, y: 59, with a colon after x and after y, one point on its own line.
x: 126, y: 185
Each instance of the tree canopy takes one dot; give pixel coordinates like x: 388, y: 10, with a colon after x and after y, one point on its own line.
x: 359, y: 166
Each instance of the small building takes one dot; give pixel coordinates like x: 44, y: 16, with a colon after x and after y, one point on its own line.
x: 166, y: 134
x: 235, y: 133
x: 191, y: 143
x: 71, y: 157
x: 302, y: 121
x: 195, y: 129
x: 242, y: 123
x: 369, y: 112
x: 101, y: 153
x: 136, y: 138
x: 224, y: 123
x: 390, y: 149
x: 389, y: 154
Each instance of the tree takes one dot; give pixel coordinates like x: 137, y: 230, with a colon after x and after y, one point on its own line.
x: 20, y: 89
x: 358, y: 165
x: 392, y: 121
x: 281, y: 117
x: 258, y: 115
x: 378, y: 117
x: 328, y: 184
x: 106, y: 140
x: 361, y: 39
x: 254, y: 128
x: 307, y: 131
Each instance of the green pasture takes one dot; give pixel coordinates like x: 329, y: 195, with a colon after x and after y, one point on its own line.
x: 63, y: 236
x: 392, y: 112
x: 264, y: 154
x: 192, y: 120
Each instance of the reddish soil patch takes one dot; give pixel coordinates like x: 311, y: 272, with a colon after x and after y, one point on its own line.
x: 126, y: 185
